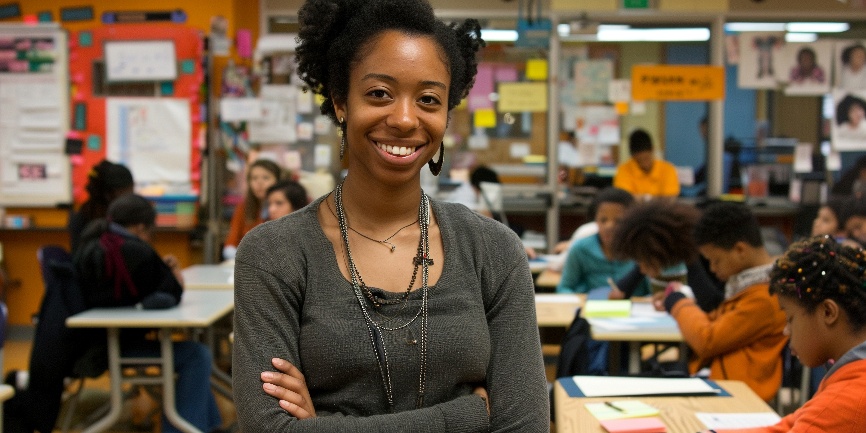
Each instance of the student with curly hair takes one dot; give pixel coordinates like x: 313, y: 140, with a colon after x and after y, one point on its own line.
x: 105, y: 182
x: 329, y: 337
x: 820, y: 286
x: 742, y: 338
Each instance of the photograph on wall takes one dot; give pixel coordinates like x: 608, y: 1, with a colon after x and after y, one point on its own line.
x: 848, y: 129
x: 759, y: 54
x: 850, y: 57
x: 805, y: 68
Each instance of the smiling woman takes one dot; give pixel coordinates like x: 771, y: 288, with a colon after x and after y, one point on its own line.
x: 329, y: 336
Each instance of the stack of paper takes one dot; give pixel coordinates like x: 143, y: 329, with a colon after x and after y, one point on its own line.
x: 607, y: 386
x: 634, y: 425
x: 621, y: 409
x: 605, y: 308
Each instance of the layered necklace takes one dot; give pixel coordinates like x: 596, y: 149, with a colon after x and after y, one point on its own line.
x: 361, y: 292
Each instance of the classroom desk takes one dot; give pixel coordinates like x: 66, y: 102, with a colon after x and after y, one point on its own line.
x: 676, y: 412
x: 198, y: 309
x: 557, y: 310
x: 547, y: 280
x: 209, y: 277
x: 644, y: 326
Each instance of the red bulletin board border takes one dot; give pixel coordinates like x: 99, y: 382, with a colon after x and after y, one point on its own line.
x: 86, y: 47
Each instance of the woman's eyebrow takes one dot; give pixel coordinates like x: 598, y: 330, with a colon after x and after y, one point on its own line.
x: 386, y: 77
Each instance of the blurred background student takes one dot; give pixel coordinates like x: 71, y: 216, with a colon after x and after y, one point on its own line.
x: 105, y: 182
x: 285, y: 197
x: 251, y: 212
x: 643, y: 175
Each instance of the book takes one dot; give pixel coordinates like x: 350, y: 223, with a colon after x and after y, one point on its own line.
x: 620, y: 409
x: 634, y: 425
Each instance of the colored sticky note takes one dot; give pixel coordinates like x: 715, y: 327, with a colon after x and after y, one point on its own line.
x: 166, y: 88
x: 94, y: 142
x: 85, y: 38
x: 485, y: 118
x: 605, y: 308
x: 536, y: 69
x: 643, y: 425
x: 621, y: 107
x: 45, y: 17
x: 187, y: 66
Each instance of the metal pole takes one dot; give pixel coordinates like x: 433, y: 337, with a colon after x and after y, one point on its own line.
x: 553, y: 134
x: 715, y: 135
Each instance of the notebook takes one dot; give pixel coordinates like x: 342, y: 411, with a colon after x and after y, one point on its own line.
x: 634, y: 425
x: 620, y: 409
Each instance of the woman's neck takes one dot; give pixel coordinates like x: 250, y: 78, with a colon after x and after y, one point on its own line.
x: 377, y: 205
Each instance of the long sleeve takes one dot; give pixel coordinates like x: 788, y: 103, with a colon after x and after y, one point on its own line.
x: 670, y: 184
x: 238, y: 227
x: 293, y: 303
x: 571, y: 281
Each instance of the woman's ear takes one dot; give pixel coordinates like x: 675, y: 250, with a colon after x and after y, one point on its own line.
x: 339, y: 108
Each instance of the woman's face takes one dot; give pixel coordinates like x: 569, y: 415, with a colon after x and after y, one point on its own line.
x: 260, y: 179
x: 825, y: 222
x: 278, y: 205
x: 806, y: 60
x: 856, y: 114
x: 607, y: 216
x: 397, y: 108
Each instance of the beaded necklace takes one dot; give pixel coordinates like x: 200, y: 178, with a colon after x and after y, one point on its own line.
x: 375, y: 329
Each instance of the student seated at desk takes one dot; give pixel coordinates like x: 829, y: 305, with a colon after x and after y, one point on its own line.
x: 285, y: 197
x: 590, y: 261
x: 117, y: 267
x: 251, y: 211
x: 820, y: 288
x: 105, y: 182
x: 643, y: 175
x: 742, y: 338
x: 658, y: 236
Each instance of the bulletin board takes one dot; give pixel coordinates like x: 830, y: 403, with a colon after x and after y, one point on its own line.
x: 136, y: 100
x: 34, y: 116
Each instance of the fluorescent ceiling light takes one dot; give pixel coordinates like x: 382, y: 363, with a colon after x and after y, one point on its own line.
x: 755, y: 27
x: 801, y: 37
x: 817, y: 27
x: 654, y: 35
x: 491, y: 35
x: 565, y: 29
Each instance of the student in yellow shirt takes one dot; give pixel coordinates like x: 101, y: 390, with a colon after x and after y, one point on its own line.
x: 644, y: 176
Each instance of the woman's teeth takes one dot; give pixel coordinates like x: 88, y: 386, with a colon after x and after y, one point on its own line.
x: 396, y: 150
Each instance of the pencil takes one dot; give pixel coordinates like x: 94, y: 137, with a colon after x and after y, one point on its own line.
x: 613, y: 406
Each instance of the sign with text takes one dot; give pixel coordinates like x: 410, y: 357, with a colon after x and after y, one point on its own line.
x: 677, y: 83
x: 519, y: 97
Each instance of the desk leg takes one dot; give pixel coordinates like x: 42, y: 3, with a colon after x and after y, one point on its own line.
x: 116, y: 393
x: 633, y: 357
x: 168, y: 403
x: 218, y: 377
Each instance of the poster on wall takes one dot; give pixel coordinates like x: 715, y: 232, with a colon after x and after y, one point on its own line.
x: 140, y: 61
x: 848, y: 130
x: 805, y: 67
x: 850, y: 58
x: 592, y: 79
x: 759, y: 54
x: 27, y: 54
x: 151, y: 136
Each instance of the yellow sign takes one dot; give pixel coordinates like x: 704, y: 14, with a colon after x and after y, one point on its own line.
x: 531, y: 97
x: 536, y: 69
x: 485, y: 118
x: 693, y: 5
x: 677, y: 83
x: 584, y: 5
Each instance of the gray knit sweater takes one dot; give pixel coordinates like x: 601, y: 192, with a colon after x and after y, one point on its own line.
x: 292, y: 302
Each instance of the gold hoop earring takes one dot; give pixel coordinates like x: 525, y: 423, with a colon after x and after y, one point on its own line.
x: 436, y: 167
x: 342, y: 137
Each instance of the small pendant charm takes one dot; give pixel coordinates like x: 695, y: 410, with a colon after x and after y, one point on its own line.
x: 418, y: 260
x: 411, y: 342
x: 393, y: 247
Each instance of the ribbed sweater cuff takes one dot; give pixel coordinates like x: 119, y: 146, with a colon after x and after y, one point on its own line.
x: 672, y: 299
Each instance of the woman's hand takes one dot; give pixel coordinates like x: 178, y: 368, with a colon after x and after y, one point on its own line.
x: 288, y: 385
x: 482, y: 392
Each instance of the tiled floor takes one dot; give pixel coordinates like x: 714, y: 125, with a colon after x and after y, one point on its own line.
x: 141, y: 414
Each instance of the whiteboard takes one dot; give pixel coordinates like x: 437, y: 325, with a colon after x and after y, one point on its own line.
x: 34, y: 116
x: 140, y: 61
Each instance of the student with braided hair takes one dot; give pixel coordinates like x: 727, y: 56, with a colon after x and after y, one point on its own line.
x: 742, y: 338
x: 821, y: 286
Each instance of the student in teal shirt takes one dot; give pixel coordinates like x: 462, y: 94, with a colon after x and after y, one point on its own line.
x: 590, y: 263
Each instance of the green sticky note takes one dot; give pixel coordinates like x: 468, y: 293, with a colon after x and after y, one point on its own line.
x: 605, y: 308
x: 187, y: 66
x: 85, y: 38
x: 44, y: 17
x: 94, y: 142
x: 80, y: 122
x: 166, y: 88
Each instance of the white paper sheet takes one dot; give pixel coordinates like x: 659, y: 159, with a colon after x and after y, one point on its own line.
x: 278, y: 120
x: 601, y: 386
x: 151, y: 136
x: 737, y: 420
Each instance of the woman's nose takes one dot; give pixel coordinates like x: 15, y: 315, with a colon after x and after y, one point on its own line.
x: 403, y: 115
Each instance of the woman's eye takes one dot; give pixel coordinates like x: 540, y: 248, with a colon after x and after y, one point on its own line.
x: 429, y: 100
x: 378, y: 93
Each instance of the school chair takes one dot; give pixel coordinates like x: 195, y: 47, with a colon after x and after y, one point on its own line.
x: 795, y: 383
